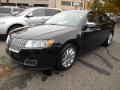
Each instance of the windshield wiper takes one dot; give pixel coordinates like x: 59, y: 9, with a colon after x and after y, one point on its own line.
x: 52, y: 24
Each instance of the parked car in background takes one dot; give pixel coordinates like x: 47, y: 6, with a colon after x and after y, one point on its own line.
x: 27, y: 17
x: 113, y: 16
x: 9, y: 10
x: 60, y: 39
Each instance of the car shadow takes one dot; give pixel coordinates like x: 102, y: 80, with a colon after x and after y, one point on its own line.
x: 108, y: 64
x: 94, y: 67
x: 2, y: 38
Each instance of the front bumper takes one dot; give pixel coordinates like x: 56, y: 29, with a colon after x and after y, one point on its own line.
x: 2, y: 27
x: 43, y: 59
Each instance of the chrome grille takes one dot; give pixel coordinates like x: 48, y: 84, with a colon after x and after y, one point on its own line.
x: 17, y: 44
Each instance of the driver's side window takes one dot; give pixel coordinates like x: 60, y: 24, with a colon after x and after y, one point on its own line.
x: 92, y: 17
x: 37, y: 13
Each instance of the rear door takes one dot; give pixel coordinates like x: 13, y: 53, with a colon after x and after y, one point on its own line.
x: 106, y: 26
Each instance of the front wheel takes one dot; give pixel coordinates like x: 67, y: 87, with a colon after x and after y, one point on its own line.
x: 67, y: 57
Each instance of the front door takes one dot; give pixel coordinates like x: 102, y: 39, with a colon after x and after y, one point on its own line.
x: 36, y: 17
x: 91, y: 36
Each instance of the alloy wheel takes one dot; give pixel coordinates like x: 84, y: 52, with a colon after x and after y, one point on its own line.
x: 68, y: 57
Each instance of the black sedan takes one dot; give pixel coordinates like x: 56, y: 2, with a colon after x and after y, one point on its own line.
x: 58, y: 41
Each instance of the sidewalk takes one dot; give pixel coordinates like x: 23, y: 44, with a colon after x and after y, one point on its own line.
x: 118, y: 26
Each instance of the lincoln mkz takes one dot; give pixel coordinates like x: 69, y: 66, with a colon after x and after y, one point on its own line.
x: 57, y: 42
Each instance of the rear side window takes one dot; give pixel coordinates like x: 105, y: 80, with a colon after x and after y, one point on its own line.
x: 18, y: 10
x: 51, y: 12
x: 103, y: 18
x: 92, y: 17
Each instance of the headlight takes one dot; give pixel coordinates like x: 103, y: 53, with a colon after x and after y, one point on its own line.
x: 39, y: 44
x: 2, y: 22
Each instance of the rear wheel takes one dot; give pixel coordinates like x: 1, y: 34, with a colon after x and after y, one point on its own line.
x: 108, y: 42
x: 67, y: 57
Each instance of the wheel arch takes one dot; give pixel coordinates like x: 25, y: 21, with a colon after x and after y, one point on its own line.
x: 73, y: 42
x: 21, y: 25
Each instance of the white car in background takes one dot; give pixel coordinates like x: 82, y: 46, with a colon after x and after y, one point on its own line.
x: 9, y: 10
x: 29, y: 16
x: 113, y: 16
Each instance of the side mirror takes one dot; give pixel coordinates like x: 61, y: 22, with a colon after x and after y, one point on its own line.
x: 43, y: 20
x: 29, y: 15
x: 114, y: 22
x: 14, y: 13
x: 91, y: 24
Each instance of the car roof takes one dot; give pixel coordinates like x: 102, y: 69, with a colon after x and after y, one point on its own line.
x: 74, y: 11
x: 9, y: 7
x: 33, y: 8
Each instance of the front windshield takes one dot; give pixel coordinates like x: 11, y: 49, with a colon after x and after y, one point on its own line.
x: 24, y: 12
x: 67, y: 18
x: 5, y: 10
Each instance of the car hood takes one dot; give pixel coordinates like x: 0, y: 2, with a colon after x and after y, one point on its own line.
x: 7, y: 18
x: 3, y: 14
x: 39, y: 32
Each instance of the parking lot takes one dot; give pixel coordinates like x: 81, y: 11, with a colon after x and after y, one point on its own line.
x: 96, y: 70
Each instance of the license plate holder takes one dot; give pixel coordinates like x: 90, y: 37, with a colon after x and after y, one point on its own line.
x: 30, y: 62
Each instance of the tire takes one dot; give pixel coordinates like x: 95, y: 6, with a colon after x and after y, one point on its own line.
x: 108, y: 42
x: 66, y: 60
x: 13, y: 27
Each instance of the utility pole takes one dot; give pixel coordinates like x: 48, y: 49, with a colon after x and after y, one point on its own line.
x: 16, y: 3
x: 84, y: 4
x: 7, y: 1
x: 0, y: 2
x: 81, y: 4
x: 55, y: 4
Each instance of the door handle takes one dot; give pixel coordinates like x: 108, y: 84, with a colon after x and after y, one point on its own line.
x: 43, y: 20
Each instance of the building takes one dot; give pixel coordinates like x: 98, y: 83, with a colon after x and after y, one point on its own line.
x: 62, y: 4
x: 74, y: 4
x: 42, y: 3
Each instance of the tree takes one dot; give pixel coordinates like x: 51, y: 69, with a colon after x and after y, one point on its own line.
x: 96, y: 5
x: 112, y: 6
x: 107, y: 6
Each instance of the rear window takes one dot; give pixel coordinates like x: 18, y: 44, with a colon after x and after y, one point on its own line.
x: 18, y: 10
x: 5, y: 10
